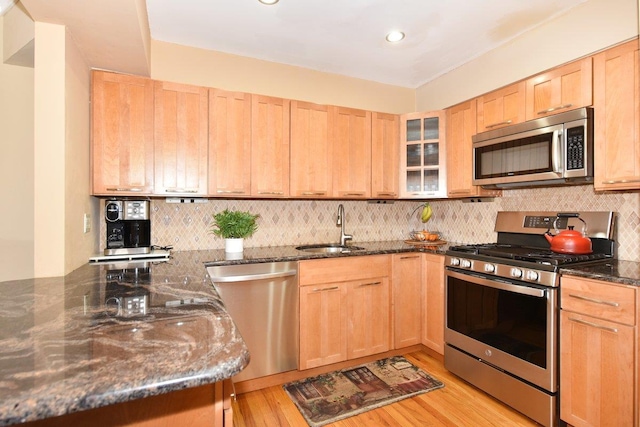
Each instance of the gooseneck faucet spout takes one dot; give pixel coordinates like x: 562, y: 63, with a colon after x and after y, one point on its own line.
x: 340, y: 223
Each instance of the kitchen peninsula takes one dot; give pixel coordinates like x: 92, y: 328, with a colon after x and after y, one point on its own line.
x: 116, y: 334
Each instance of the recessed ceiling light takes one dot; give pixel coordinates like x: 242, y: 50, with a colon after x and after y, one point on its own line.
x: 268, y: 1
x: 395, y: 36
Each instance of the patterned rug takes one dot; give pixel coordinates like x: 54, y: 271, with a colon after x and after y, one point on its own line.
x: 341, y: 394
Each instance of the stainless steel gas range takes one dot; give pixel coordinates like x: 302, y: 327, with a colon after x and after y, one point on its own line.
x: 502, y: 307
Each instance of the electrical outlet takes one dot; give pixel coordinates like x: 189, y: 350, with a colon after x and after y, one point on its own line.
x: 87, y: 223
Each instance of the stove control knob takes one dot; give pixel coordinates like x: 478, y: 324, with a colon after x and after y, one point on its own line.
x: 533, y: 275
x: 465, y: 263
x: 455, y: 262
x: 516, y: 272
x: 490, y: 268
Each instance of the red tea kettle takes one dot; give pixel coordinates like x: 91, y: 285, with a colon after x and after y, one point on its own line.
x: 569, y: 241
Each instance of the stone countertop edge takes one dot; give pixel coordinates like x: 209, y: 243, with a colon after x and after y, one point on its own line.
x: 614, y: 271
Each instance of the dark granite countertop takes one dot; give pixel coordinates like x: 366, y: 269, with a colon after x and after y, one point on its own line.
x: 290, y: 253
x: 83, y: 341
x: 615, y: 271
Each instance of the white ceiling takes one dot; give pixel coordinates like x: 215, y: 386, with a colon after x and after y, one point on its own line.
x: 347, y: 37
x: 336, y: 36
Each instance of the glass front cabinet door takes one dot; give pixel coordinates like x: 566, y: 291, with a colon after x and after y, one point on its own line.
x: 422, y: 156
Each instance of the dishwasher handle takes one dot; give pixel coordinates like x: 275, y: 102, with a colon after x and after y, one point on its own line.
x: 252, y: 276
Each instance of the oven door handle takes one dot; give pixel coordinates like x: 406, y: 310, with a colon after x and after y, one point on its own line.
x: 497, y: 284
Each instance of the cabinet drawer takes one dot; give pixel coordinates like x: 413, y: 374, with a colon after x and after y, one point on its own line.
x: 343, y: 269
x: 599, y: 299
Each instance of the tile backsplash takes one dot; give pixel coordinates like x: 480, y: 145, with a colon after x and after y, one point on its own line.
x: 289, y: 222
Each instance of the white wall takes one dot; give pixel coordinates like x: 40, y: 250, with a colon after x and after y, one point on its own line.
x: 16, y: 169
x: 202, y: 67
x: 79, y: 246
x: 590, y: 27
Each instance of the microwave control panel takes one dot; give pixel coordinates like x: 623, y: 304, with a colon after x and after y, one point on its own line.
x: 575, y: 148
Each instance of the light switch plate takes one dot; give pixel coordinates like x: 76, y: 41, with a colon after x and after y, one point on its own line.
x: 87, y: 222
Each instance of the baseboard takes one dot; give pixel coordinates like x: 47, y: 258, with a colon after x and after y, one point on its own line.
x: 285, y: 377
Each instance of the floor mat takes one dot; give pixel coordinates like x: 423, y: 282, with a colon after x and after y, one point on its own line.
x: 341, y: 394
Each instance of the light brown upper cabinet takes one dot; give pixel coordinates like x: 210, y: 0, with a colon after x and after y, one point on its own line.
x: 351, y: 139
x: 180, y: 145
x: 229, y: 143
x: 461, y: 126
x: 385, y: 149
x: 311, y: 150
x: 269, y: 146
x: 502, y: 107
x: 617, y: 118
x: 423, y: 155
x: 561, y: 89
x: 121, y: 134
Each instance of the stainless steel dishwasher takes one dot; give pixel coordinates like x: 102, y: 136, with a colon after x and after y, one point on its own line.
x: 262, y: 299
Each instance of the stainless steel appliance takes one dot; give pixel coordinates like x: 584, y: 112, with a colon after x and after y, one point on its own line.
x: 554, y: 150
x: 128, y: 227
x: 262, y: 300
x: 501, y: 327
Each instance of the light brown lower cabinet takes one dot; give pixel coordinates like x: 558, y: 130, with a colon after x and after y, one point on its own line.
x: 598, y: 353
x: 204, y: 406
x: 407, y: 299
x: 344, y: 309
x: 433, y: 300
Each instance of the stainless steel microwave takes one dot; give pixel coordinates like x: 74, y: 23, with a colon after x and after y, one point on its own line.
x: 554, y: 150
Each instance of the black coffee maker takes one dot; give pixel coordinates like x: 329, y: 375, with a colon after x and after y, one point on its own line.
x: 128, y: 227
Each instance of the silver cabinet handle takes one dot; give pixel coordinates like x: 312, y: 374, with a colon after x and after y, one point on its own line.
x: 276, y: 193
x: 460, y: 192
x: 230, y: 192
x: 333, y: 288
x: 133, y: 189
x: 409, y: 257
x: 621, y: 181
x: 354, y: 194
x: 387, y: 194
x: 314, y: 193
x: 370, y: 284
x: 179, y: 190
x: 596, y: 301
x: 560, y: 107
x: 595, y: 325
x: 506, y: 122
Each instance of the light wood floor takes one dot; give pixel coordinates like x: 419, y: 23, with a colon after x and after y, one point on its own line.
x: 457, y: 404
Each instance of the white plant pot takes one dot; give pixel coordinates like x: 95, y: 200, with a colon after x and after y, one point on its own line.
x: 233, y: 245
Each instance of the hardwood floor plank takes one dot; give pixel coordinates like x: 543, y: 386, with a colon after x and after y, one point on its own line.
x: 457, y: 404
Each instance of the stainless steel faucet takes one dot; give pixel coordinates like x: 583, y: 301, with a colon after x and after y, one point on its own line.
x: 340, y: 223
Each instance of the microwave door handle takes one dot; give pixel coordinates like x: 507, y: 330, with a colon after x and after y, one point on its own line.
x: 556, y: 149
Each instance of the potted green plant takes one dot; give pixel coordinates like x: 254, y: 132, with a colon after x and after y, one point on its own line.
x: 234, y: 227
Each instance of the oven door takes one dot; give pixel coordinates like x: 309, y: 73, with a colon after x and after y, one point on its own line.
x: 509, y: 325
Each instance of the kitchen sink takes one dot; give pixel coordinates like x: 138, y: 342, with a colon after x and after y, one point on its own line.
x: 329, y: 248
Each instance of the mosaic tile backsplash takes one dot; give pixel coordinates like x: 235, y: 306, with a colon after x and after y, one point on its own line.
x: 293, y: 222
